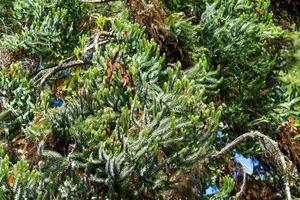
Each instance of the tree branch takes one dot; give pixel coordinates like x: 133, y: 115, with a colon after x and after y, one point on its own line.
x: 42, y: 75
x: 62, y: 67
x: 278, y: 156
x: 243, y: 187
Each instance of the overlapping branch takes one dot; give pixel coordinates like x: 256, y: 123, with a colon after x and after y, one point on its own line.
x: 278, y: 155
x: 243, y: 186
x: 99, y: 38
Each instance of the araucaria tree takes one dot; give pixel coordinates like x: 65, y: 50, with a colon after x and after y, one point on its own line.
x: 136, y: 99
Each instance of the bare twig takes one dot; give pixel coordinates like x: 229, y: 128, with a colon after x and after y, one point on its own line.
x: 96, y: 45
x: 107, y: 34
x: 103, y: 35
x: 278, y: 156
x: 96, y: 41
x: 42, y: 75
x: 243, y: 186
x: 62, y: 67
x: 40, y: 72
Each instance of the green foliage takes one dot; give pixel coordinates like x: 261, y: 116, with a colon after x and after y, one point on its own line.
x: 226, y: 189
x: 183, y: 30
x: 239, y: 37
x: 203, y: 74
x: 239, y: 42
x: 51, y: 28
x: 195, y: 7
x: 292, y: 83
x: 17, y: 97
x: 125, y: 124
x: 17, y: 180
x: 5, y: 22
x: 131, y: 122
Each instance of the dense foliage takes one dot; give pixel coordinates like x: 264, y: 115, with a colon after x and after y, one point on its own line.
x: 135, y: 99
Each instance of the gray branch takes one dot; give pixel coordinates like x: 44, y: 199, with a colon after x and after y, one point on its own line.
x: 243, y: 187
x: 44, y: 74
x: 279, y: 157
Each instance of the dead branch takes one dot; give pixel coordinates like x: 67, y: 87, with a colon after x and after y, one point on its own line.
x: 45, y: 73
x: 243, y: 187
x: 278, y: 156
x: 62, y: 67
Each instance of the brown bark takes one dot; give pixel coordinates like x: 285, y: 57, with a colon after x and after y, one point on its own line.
x: 153, y: 17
